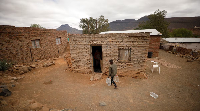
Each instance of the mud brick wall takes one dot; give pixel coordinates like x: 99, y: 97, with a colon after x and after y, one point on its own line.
x: 154, y: 44
x: 81, y: 51
x: 16, y: 44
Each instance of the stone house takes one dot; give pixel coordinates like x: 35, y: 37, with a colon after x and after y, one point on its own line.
x: 128, y: 51
x: 25, y: 44
x: 154, y: 42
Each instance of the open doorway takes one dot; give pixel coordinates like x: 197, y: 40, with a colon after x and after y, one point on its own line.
x: 97, y: 58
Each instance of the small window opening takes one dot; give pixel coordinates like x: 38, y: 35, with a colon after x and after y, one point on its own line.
x: 58, y: 40
x: 124, y: 54
x: 36, y: 43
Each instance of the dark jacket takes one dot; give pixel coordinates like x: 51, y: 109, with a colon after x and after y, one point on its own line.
x: 112, y: 70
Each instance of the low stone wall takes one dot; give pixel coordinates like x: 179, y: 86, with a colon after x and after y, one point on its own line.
x: 16, y: 44
x: 81, y: 51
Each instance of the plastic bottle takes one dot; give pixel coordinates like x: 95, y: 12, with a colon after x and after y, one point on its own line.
x: 116, y: 78
x: 152, y: 94
x: 108, y: 81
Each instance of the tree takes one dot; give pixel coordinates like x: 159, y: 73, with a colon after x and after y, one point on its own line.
x: 37, y: 26
x: 157, y: 21
x: 181, y: 32
x: 94, y: 26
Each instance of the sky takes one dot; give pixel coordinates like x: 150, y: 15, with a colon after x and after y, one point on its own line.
x: 53, y: 13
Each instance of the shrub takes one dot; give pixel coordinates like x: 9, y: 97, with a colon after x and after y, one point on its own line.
x: 4, y: 65
x: 181, y: 32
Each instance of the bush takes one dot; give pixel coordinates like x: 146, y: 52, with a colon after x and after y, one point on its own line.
x: 182, y: 32
x: 4, y: 65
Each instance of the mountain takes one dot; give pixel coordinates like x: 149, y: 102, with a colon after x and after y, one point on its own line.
x: 183, y: 22
x: 69, y: 29
x: 175, y: 22
x: 127, y: 24
x: 130, y: 24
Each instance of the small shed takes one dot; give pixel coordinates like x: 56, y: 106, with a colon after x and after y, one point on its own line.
x: 154, y: 42
x: 127, y: 50
x: 188, y: 43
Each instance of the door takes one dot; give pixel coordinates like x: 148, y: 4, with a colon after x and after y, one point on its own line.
x: 97, y: 58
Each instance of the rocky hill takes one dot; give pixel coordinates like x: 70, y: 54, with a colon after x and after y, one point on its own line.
x: 69, y: 29
x: 175, y: 22
x: 129, y: 24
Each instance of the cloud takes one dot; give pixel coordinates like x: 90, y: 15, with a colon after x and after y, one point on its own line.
x: 53, y: 13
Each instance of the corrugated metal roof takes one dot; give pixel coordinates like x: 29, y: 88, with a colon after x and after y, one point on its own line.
x: 182, y: 39
x: 152, y: 31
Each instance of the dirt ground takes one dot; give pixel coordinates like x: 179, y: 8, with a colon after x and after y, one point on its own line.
x: 178, y: 89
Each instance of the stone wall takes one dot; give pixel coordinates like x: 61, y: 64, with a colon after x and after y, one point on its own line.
x: 154, y: 44
x: 16, y: 44
x: 81, y: 51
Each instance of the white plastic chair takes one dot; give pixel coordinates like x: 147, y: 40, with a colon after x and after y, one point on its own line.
x: 155, y: 65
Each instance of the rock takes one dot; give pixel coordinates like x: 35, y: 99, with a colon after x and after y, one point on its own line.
x: 33, y: 66
x: 12, y: 78
x: 49, y: 64
x: 36, y: 106
x: 5, y: 92
x: 91, y: 78
x: 102, y: 103
x: 44, y: 109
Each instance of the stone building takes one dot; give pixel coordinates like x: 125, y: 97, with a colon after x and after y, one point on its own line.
x: 128, y: 50
x: 154, y: 42
x: 25, y: 44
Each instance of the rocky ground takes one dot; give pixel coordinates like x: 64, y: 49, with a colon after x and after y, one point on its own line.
x: 55, y: 89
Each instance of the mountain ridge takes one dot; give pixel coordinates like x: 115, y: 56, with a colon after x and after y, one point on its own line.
x: 130, y: 24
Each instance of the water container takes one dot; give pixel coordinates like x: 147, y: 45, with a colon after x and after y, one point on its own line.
x: 116, y: 78
x: 108, y: 81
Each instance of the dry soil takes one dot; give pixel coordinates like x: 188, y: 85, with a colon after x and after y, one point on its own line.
x: 178, y: 89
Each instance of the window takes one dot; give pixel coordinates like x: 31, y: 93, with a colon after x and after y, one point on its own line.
x: 36, y: 43
x: 58, y: 40
x: 124, y: 54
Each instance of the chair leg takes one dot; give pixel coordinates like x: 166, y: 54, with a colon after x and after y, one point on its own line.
x: 159, y: 70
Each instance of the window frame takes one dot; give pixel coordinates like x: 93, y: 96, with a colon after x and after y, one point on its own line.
x: 58, y: 40
x: 129, y: 54
x: 35, y: 43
